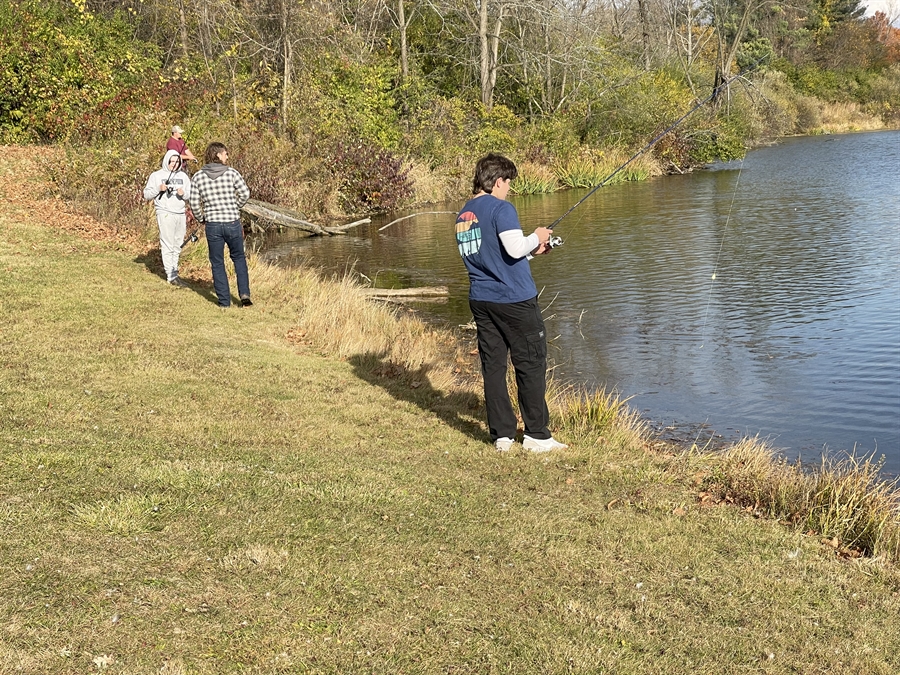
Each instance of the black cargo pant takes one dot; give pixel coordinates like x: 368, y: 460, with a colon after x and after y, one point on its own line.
x: 514, y: 331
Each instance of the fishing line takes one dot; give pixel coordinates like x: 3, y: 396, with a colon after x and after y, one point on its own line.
x: 557, y: 241
x: 719, y: 254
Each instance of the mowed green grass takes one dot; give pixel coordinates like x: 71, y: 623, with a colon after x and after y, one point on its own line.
x: 183, y: 490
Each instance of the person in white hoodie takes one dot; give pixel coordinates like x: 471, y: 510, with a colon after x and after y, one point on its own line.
x: 169, y: 188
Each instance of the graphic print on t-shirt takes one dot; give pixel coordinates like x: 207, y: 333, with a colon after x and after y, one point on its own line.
x: 468, y: 234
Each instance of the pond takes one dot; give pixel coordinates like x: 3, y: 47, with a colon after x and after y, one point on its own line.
x: 757, y: 297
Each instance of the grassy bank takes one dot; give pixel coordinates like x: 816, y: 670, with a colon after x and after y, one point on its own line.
x: 276, y: 490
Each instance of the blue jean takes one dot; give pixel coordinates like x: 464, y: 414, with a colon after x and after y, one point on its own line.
x: 217, y: 236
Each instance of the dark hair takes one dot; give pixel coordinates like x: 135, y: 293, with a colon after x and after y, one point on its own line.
x: 212, y: 152
x: 489, y: 169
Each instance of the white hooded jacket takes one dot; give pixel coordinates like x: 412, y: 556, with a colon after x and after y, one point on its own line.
x: 169, y: 200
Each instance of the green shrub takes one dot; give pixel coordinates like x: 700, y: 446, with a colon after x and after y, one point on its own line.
x: 550, y: 138
x: 884, y: 98
x: 642, y: 106
x: 444, y: 130
x: 722, y: 138
x: 58, y: 62
x: 351, y: 99
x: 775, y: 112
x: 440, y: 129
x: 269, y: 164
x: 495, y: 131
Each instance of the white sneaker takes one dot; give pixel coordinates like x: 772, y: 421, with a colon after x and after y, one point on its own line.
x: 545, y: 445
x: 503, y: 444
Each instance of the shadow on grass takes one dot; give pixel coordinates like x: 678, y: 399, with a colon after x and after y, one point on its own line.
x: 153, y: 262
x: 455, y: 409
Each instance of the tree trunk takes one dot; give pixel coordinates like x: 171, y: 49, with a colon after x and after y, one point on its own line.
x: 404, y: 58
x: 234, y: 96
x: 288, y: 58
x: 486, y: 94
x: 490, y: 49
x: 645, y: 32
x: 495, y: 51
x: 727, y: 52
x: 278, y: 216
x: 182, y: 21
x: 421, y: 291
x: 548, y: 63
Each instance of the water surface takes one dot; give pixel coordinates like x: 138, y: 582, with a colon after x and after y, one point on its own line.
x: 796, y: 339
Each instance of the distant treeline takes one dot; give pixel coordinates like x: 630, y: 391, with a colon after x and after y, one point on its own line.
x: 365, y: 105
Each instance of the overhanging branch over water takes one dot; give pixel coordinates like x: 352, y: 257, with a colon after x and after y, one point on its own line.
x: 263, y: 215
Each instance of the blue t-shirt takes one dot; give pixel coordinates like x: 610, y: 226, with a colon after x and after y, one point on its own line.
x: 494, y: 276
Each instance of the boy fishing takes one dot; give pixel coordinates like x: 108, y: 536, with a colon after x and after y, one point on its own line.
x: 503, y: 300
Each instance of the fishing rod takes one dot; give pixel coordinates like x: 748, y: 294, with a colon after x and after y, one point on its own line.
x: 189, y: 214
x: 169, y: 188
x: 194, y: 124
x: 557, y: 241
x: 193, y: 236
x: 182, y: 164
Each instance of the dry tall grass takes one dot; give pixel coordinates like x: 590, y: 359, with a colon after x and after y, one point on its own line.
x: 847, y: 116
x: 596, y: 416
x: 845, y: 500
x: 336, y: 319
x: 434, y: 185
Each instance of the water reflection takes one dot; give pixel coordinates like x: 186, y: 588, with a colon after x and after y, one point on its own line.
x: 796, y: 338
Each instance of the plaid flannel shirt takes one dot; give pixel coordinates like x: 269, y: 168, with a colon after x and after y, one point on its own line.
x: 220, y: 200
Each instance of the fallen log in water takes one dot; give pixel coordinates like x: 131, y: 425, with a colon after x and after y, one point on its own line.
x: 269, y: 215
x: 413, y: 215
x: 339, y: 229
x: 406, y: 292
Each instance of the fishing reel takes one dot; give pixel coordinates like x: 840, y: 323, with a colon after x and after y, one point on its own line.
x: 192, y: 237
x: 553, y: 242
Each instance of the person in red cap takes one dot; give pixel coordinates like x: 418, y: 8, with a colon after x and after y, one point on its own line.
x: 176, y: 142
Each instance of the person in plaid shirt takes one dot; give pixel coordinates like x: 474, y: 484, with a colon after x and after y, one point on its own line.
x: 218, y: 193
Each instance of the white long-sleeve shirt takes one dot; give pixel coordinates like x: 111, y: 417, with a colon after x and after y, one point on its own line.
x: 517, y: 245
